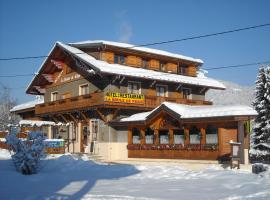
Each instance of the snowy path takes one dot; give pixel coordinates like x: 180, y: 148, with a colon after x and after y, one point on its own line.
x: 65, y: 177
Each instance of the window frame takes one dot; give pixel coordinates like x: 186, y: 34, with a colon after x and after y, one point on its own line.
x: 207, y: 133
x: 52, y: 94
x: 134, y: 82
x: 166, y: 93
x: 189, y: 95
x: 80, y: 89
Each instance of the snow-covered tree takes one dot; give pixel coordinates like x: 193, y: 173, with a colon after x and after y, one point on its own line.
x: 27, y: 153
x: 261, y: 130
x: 6, y: 103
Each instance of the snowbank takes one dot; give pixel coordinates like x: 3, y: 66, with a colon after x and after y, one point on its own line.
x: 76, y: 177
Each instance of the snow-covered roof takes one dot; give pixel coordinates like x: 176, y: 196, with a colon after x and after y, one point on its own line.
x: 30, y: 104
x: 90, y: 43
x: 104, y: 67
x: 36, y: 123
x: 191, y: 112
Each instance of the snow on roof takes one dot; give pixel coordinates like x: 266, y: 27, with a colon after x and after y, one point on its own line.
x: 191, y: 112
x: 90, y: 43
x: 36, y: 123
x: 105, y: 67
x: 30, y: 104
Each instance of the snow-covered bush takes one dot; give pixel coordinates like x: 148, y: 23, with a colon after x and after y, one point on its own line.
x: 27, y: 152
x: 260, y: 138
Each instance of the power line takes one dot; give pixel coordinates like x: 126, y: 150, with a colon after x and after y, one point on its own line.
x: 16, y: 75
x: 240, y: 65
x: 203, y: 36
x: 156, y: 43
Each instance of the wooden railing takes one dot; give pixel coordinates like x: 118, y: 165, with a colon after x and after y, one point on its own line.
x: 97, y: 99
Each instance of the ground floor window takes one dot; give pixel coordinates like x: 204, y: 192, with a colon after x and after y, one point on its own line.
x: 194, y: 135
x: 149, y: 136
x: 211, y: 134
x: 164, y: 136
x: 179, y: 136
x: 135, y: 136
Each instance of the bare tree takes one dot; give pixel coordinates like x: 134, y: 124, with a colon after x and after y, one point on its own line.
x: 6, y: 103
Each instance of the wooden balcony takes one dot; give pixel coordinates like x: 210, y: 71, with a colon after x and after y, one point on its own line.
x: 95, y: 100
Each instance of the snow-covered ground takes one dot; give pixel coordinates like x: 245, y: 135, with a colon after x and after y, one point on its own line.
x: 72, y: 177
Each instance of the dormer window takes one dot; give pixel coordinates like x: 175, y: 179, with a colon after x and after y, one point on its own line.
x: 119, y: 59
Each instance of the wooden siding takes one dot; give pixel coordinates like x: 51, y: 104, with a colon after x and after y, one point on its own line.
x: 171, y: 67
x: 153, y: 64
x: 108, y: 57
x: 192, y: 71
x: 134, y: 61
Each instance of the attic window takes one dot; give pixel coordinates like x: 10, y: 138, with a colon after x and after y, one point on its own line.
x: 119, y: 59
x: 162, y: 66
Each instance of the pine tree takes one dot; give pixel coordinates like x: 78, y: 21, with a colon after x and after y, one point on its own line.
x: 261, y: 130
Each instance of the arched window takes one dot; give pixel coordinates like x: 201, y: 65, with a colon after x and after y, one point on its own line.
x: 149, y: 136
x: 135, y: 136
x: 194, y: 135
x: 211, y: 134
x: 179, y: 136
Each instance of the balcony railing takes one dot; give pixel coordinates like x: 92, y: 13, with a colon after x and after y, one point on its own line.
x: 97, y: 99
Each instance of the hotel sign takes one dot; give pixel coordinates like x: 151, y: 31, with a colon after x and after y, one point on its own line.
x: 124, y: 98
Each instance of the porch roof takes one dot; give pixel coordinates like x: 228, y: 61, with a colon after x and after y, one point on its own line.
x: 181, y: 111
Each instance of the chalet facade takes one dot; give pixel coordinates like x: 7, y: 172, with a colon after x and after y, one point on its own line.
x: 118, y: 101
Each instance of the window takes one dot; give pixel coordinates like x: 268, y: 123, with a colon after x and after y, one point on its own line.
x: 94, y: 129
x: 164, y: 137
x: 134, y: 87
x: 145, y: 63
x: 83, y: 89
x: 179, y: 136
x: 149, y: 136
x: 136, y: 136
x: 54, y: 96
x: 194, y: 135
x: 162, y: 90
x: 186, y: 93
x: 211, y: 135
x: 119, y: 59
x: 162, y: 66
x: 182, y: 69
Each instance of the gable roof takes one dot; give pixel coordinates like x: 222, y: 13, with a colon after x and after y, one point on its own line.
x: 91, y: 43
x: 97, y: 66
x: 104, y: 67
x: 182, y: 111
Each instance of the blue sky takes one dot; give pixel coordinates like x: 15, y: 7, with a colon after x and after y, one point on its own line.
x: 29, y: 28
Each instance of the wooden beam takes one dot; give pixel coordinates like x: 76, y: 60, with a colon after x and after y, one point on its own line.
x: 73, y: 118
x: 54, y: 119
x: 115, y: 113
x: 84, y: 116
x: 122, y: 80
x: 63, y: 117
x: 101, y: 115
